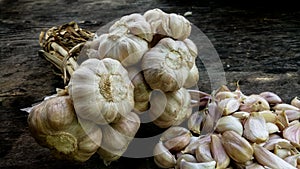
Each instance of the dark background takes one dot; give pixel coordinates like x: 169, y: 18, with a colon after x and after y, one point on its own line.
x: 258, y: 43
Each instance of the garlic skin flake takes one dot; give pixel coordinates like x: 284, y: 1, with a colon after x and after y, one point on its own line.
x: 166, y: 66
x: 101, y: 90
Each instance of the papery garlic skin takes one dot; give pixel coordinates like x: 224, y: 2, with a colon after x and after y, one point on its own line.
x: 166, y: 65
x: 176, y: 109
x: 101, y: 90
x: 135, y: 24
x: 54, y: 125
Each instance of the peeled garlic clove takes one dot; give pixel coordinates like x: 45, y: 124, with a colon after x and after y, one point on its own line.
x: 203, y: 153
x: 195, y: 120
x: 284, y: 106
x: 296, y: 102
x: 255, y: 128
x: 267, y: 158
x: 254, y: 103
x: 193, y: 77
x: 176, y: 138
x: 229, y: 123
x: 162, y: 156
x: 268, y: 115
x: 271, y: 97
x: 166, y: 65
x: 272, y: 128
x: 174, y: 111
x: 237, y: 147
x: 204, y: 165
x: 135, y: 24
x: 218, y: 152
x: 242, y: 115
x: 186, y: 157
x: 229, y: 105
x: 101, y: 90
x: 292, y: 133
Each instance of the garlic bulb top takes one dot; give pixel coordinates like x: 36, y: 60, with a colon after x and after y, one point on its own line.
x: 53, y: 124
x: 171, y: 25
x: 128, y: 49
x: 166, y: 66
x: 134, y: 24
x: 101, y: 90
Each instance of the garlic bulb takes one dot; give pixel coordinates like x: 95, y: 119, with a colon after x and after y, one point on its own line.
x: 193, y: 77
x: 171, y: 111
x: 142, y: 90
x: 134, y: 24
x: 166, y: 66
x: 101, y: 90
x: 117, y: 136
x: 171, y: 25
x: 54, y: 125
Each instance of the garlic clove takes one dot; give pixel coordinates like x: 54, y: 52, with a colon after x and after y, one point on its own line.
x: 254, y: 103
x: 291, y: 114
x: 282, y: 152
x: 162, y: 156
x: 292, y: 133
x: 229, y: 105
x: 191, y: 148
x: 186, y: 157
x: 218, y: 152
x: 176, y: 138
x: 225, y: 95
x: 284, y: 106
x: 255, y: 128
x: 283, y: 143
x: 272, y: 128
x: 268, y: 115
x: 293, y: 159
x: 254, y: 166
x: 282, y: 120
x: 271, y: 97
x: 296, y: 102
x: 203, y: 153
x: 195, y: 121
x: 242, y: 115
x: 204, y: 165
x: 237, y: 147
x: 267, y: 158
x: 229, y: 123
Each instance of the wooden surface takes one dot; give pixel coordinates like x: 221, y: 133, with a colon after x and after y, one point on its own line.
x: 258, y: 45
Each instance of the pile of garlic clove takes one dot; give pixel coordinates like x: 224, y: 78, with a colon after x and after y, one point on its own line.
x: 255, y: 131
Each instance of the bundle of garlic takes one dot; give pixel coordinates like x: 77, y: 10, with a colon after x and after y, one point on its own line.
x: 127, y: 70
x: 255, y: 131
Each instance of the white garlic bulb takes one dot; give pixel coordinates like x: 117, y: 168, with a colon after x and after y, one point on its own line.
x: 142, y: 90
x: 134, y: 24
x: 172, y: 110
x: 166, y: 66
x: 171, y: 25
x: 101, y: 90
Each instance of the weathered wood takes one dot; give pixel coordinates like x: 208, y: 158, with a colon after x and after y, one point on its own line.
x: 257, y: 46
